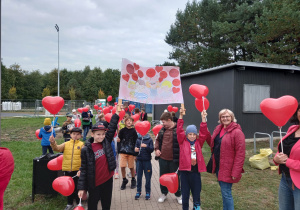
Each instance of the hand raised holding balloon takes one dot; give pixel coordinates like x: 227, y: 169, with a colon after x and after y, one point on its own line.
x: 51, y: 139
x: 204, y: 115
x: 181, y: 111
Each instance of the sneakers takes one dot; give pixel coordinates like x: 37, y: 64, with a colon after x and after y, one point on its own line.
x: 147, y: 196
x: 116, y: 175
x: 162, y: 198
x: 179, y: 199
x: 133, y: 183
x: 69, y: 207
x: 124, y: 183
x: 137, y: 196
x: 196, y: 208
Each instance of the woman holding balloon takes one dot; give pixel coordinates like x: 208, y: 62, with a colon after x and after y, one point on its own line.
x: 289, y: 165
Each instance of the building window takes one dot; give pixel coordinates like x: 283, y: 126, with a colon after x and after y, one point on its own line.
x: 253, y: 96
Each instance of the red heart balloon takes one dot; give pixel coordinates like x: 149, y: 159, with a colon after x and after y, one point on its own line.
x: 156, y: 129
x: 135, y: 117
x: 113, y: 111
x: 78, y: 208
x: 121, y: 115
x: 37, y: 132
x: 55, y: 164
x: 96, y: 107
x: 170, y: 181
x: 64, y: 185
x: 109, y: 98
x: 53, y: 104
x: 198, y: 90
x: 199, y: 104
x: 175, y: 109
x: 84, y: 109
x: 77, y: 123
x: 115, y: 103
x: 142, y: 127
x: 279, y: 110
x: 170, y: 108
x: 100, y: 108
x: 110, y: 107
x: 106, y: 110
x: 100, y: 104
x: 108, y: 117
x: 131, y: 107
x: 80, y: 110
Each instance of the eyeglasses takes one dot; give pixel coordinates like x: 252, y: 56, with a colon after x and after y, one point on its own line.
x: 223, y: 117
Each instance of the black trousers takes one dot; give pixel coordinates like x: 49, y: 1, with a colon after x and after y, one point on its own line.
x: 103, y: 191
x: 74, y: 195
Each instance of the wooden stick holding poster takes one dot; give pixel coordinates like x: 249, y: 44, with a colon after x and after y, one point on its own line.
x: 182, y: 106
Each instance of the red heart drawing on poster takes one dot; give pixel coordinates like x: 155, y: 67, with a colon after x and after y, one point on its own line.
x: 140, y: 73
x: 134, y: 77
x: 174, y: 73
x: 150, y: 73
x: 170, y: 181
x: 125, y: 77
x: 279, y: 110
x: 175, y: 89
x: 37, y: 132
x: 130, y: 68
x: 170, y: 108
x: 136, y: 66
x: 199, y: 104
x: 108, y: 117
x: 55, y: 164
x: 163, y: 74
x: 160, y: 79
x: 198, y: 90
x: 159, y: 68
x: 175, y: 109
x: 176, y: 82
x: 156, y: 129
x: 53, y: 104
x: 64, y: 185
x: 142, y: 127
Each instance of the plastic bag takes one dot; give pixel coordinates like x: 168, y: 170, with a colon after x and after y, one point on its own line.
x: 261, y: 161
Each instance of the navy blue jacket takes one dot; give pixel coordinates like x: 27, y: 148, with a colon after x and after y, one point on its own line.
x: 145, y: 152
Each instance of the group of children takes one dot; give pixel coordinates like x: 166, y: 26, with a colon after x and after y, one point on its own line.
x: 94, y: 163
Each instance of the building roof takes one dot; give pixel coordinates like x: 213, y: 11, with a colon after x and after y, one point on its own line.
x: 245, y: 64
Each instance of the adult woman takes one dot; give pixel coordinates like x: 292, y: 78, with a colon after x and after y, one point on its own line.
x: 228, y: 154
x: 289, y: 166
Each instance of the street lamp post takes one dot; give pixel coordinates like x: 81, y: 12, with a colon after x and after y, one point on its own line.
x: 57, y: 28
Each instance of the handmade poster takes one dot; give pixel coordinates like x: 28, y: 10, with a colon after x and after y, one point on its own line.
x: 151, y: 85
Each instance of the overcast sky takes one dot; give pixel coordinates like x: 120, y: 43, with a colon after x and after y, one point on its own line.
x: 98, y: 33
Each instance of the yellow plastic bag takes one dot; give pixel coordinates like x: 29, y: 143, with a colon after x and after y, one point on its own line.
x: 261, y: 161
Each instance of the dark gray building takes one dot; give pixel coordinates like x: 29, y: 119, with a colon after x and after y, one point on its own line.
x: 240, y: 87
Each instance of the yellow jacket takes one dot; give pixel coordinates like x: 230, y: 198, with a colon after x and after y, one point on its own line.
x: 72, y: 152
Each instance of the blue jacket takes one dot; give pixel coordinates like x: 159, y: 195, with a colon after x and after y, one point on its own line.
x: 45, y: 136
x: 145, y: 152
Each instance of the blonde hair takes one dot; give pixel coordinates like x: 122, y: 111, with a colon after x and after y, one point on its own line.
x: 223, y: 111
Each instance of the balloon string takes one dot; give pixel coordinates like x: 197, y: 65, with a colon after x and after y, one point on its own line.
x: 141, y: 145
x: 79, y: 202
x: 281, y: 139
x: 204, y: 107
x: 52, y: 126
x: 74, y: 176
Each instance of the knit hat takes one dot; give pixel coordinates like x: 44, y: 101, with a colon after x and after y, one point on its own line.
x: 47, y: 121
x: 191, y: 129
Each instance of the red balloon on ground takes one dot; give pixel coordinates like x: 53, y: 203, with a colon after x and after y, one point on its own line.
x: 279, y: 110
x: 174, y: 73
x: 170, y: 108
x: 77, y: 123
x: 37, y: 132
x: 53, y: 104
x: 156, y: 129
x: 170, y: 181
x: 55, y: 164
x: 130, y: 68
x: 109, y: 98
x: 150, y: 73
x: 175, y: 109
x: 108, y: 117
x: 199, y: 104
x: 142, y: 127
x: 64, y: 185
x: 198, y: 90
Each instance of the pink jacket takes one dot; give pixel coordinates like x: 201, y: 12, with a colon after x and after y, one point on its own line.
x: 293, y: 162
x: 232, y: 152
x: 185, y: 162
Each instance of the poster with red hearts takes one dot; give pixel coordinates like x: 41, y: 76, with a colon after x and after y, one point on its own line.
x: 151, y: 85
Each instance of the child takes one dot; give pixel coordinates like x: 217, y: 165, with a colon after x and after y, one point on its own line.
x: 71, y: 159
x: 97, y: 118
x: 144, y: 146
x: 86, y: 121
x: 98, y: 165
x: 67, y: 127
x: 191, y: 160
x: 45, y: 133
x: 127, y: 138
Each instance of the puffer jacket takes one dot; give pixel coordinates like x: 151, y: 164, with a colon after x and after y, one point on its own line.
x: 145, y: 152
x: 45, y: 135
x: 232, y: 152
x: 87, y: 176
x: 185, y: 162
x: 128, y: 137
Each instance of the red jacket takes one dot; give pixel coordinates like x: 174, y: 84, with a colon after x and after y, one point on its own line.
x: 232, y: 152
x: 185, y: 162
x: 293, y: 162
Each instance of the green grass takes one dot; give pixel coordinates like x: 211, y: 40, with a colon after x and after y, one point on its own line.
x: 256, y: 190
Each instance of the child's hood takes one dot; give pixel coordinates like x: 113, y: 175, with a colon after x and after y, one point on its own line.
x: 147, y: 137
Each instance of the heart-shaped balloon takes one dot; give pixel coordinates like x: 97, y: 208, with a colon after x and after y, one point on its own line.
x: 131, y: 107
x: 84, y: 109
x: 115, y: 103
x: 175, y: 109
x: 135, y: 117
x: 106, y: 110
x: 100, y: 104
x: 279, y: 110
x: 108, y: 117
x: 64, y: 185
x: 170, y: 181
x: 198, y: 90
x: 109, y: 98
x: 142, y: 127
x: 199, y: 104
x: 156, y: 129
x: 110, y: 107
x: 77, y: 123
x: 113, y: 111
x: 100, y: 108
x: 55, y: 164
x: 121, y: 115
x: 80, y: 110
x: 53, y: 104
x: 37, y: 132
x: 170, y: 108
x: 96, y: 107
x: 78, y: 208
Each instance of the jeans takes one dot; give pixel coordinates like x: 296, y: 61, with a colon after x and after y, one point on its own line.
x: 44, y: 149
x: 289, y: 199
x: 103, y: 192
x: 86, y: 129
x: 146, y: 167
x: 168, y: 166
x: 74, y: 195
x: 226, y: 194
x: 190, y: 181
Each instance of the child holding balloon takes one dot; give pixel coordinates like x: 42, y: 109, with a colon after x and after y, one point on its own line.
x: 45, y: 133
x: 191, y: 161
x: 67, y: 127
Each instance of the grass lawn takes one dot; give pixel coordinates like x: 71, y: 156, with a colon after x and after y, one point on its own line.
x: 256, y: 190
